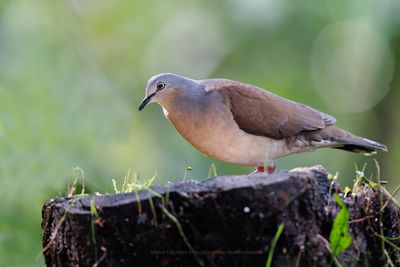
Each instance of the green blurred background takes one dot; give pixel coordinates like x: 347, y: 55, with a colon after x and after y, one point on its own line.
x: 73, y: 72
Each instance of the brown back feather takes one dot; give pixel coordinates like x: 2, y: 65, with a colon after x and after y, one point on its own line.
x: 260, y: 112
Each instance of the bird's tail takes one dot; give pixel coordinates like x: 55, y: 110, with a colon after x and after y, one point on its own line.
x: 362, y: 145
x: 341, y: 139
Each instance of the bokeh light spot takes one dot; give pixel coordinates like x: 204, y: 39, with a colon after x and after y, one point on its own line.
x: 352, y: 65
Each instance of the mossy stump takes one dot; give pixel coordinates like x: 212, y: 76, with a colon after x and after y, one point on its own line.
x: 221, y: 221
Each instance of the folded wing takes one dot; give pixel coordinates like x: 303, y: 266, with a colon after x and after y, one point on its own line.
x: 259, y: 112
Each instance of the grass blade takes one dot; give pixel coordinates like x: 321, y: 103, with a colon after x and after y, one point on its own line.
x: 273, y: 245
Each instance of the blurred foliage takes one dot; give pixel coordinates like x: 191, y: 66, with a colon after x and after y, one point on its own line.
x: 73, y: 72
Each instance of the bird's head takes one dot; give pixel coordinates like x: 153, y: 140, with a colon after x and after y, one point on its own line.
x: 162, y: 86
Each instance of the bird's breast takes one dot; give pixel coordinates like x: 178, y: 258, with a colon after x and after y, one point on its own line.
x: 214, y: 132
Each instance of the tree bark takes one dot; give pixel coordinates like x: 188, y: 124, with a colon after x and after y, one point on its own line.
x: 221, y: 221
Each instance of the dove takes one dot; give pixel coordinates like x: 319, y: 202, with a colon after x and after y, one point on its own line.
x: 244, y: 124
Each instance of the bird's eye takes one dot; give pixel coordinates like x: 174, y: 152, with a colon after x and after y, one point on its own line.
x: 160, y: 86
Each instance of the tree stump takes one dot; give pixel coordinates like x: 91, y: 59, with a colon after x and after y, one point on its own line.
x: 221, y: 221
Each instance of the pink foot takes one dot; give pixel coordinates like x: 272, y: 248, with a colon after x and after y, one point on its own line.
x: 258, y: 170
x: 270, y: 169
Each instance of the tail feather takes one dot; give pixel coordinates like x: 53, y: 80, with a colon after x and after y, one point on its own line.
x: 362, y: 145
x: 338, y: 138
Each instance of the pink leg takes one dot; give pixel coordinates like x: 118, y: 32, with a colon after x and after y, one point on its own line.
x: 260, y: 169
x: 270, y: 169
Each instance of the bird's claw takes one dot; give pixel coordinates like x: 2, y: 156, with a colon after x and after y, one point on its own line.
x: 270, y: 169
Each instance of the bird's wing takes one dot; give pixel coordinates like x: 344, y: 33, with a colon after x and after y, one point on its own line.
x: 260, y: 112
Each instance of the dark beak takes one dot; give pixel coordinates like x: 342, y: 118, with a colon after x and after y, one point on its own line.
x: 146, y: 101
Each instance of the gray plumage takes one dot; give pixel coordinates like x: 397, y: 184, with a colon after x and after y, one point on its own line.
x: 244, y: 124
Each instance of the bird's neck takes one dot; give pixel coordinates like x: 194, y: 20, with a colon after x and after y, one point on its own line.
x: 182, y: 110
x: 183, y: 100
x: 174, y: 105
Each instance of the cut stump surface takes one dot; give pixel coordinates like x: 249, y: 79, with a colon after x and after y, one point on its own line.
x: 221, y: 221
